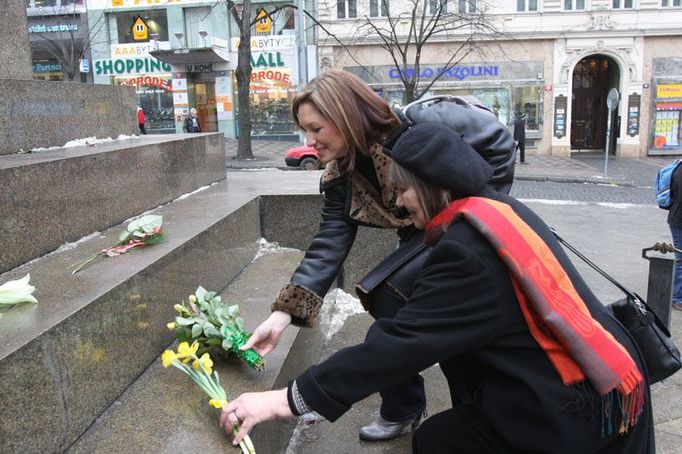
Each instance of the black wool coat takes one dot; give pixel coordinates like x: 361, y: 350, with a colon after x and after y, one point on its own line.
x: 464, y: 314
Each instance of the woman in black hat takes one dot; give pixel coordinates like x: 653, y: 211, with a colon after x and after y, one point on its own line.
x: 502, y: 310
x: 347, y: 123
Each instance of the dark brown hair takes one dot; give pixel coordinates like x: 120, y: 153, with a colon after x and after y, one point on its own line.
x: 431, y: 198
x: 361, y: 116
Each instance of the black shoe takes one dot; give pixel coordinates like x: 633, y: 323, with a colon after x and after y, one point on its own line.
x: 380, y: 429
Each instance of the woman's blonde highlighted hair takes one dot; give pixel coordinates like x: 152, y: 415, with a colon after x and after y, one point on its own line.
x: 361, y: 116
x: 431, y: 198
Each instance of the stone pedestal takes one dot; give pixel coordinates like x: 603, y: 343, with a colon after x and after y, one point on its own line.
x: 15, y: 48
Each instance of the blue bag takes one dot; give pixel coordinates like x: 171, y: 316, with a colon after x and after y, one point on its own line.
x: 662, y: 184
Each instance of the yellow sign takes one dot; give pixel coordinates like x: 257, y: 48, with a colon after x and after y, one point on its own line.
x: 263, y: 21
x: 669, y: 91
x: 116, y: 2
x: 140, y: 30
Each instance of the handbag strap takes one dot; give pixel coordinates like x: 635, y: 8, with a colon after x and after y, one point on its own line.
x: 608, y: 277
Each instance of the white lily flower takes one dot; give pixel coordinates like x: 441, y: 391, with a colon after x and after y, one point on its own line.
x: 15, y: 292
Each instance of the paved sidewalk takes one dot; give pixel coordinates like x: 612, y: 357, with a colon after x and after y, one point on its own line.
x: 580, y: 167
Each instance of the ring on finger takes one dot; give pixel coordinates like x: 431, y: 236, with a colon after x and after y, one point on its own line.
x: 239, y: 418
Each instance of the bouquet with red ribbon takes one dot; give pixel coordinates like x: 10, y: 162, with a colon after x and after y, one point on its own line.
x: 142, y: 232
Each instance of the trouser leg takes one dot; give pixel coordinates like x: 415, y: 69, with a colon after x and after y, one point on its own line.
x: 459, y: 430
x: 407, y: 399
x: 677, y: 276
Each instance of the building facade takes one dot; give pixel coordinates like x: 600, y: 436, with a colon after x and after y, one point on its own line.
x: 181, y: 54
x: 58, y: 32
x: 554, y: 61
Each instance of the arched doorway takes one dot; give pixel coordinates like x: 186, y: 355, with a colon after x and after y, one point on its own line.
x: 593, y: 77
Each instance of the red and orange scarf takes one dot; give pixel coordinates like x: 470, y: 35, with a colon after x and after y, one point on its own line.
x: 557, y: 317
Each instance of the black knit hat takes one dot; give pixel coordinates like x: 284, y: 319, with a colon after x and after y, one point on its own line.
x: 438, y: 155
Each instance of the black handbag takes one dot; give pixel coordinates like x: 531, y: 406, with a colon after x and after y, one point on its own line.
x: 659, y: 353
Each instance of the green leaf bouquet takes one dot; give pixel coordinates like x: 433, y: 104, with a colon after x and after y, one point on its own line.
x: 205, y: 319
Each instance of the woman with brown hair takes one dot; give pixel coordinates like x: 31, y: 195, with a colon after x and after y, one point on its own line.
x: 499, y: 306
x: 347, y: 122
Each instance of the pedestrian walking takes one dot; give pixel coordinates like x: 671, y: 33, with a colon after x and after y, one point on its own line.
x: 192, y: 122
x: 675, y: 224
x: 520, y: 134
x: 499, y: 306
x: 140, y: 120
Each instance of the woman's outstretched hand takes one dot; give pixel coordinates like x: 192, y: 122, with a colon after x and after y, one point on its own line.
x: 251, y: 409
x: 265, y: 338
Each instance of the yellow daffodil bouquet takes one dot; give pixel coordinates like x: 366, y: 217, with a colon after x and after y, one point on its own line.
x: 16, y: 292
x: 206, y: 320
x: 203, y: 375
x: 144, y: 231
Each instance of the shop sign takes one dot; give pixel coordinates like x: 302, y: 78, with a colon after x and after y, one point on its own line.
x: 669, y: 91
x: 271, y: 78
x: 269, y: 43
x: 459, y: 72
x: 199, y: 68
x: 84, y: 65
x: 560, y: 106
x: 52, y: 28
x: 137, y: 50
x: 140, y: 29
x: 149, y: 81
x: 130, y: 66
x: 104, y: 4
x: 634, y: 101
x: 268, y: 60
x: 46, y: 68
x: 263, y: 21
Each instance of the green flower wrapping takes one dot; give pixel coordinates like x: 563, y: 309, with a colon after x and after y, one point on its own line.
x: 205, y: 319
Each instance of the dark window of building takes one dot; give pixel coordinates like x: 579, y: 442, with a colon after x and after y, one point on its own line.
x: 570, y: 5
x: 434, y: 6
x: 623, y: 4
x: 374, y: 10
x: 346, y: 9
x: 466, y: 6
x: 671, y: 3
x: 155, y: 20
x: 526, y: 5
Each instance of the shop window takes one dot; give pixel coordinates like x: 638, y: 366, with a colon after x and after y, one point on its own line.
x: 154, y: 21
x: 623, y: 4
x: 668, y: 117
x: 45, y: 3
x: 574, y: 5
x: 466, y: 6
x: 671, y: 3
x: 346, y: 9
x: 528, y: 101
x: 495, y: 99
x: 155, y: 96
x: 375, y: 11
x: 438, y: 6
x: 526, y: 5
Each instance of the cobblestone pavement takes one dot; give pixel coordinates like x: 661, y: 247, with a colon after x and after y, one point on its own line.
x: 579, y: 168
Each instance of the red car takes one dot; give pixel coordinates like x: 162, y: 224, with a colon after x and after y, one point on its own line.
x: 304, y: 157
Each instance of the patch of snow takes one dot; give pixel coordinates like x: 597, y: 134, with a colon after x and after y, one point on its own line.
x: 574, y: 202
x: 203, y: 188
x: 337, y: 308
x: 88, y: 142
x: 266, y: 248
x: 64, y: 247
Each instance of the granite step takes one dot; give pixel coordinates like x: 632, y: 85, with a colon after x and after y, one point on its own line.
x: 57, y: 196
x: 65, y: 360
x: 163, y: 411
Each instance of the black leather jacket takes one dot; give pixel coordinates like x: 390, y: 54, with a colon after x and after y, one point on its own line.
x: 331, y: 245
